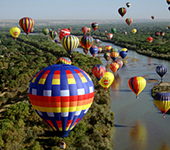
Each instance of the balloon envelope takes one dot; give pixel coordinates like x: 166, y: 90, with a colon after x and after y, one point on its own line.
x: 114, y: 67
x: 134, y: 31
x: 108, y: 48
x: 85, y: 30
x: 98, y: 71
x: 26, y: 24
x: 113, y: 30
x: 129, y: 21
x: 94, y: 25
x: 63, y: 32
x: 15, y: 32
x: 63, y: 60
x: 94, y: 50
x: 114, y: 55
x: 137, y: 84
x: 122, y: 11
x: 61, y: 95
x: 45, y: 31
x: 150, y: 39
x: 161, y: 70
x: 107, y: 56
x: 70, y: 43
x: 53, y: 34
x: 123, y: 54
x: 109, y: 36
x: 106, y: 80
x: 99, y: 49
x: 162, y: 101
x: 86, y: 42
x: 128, y: 4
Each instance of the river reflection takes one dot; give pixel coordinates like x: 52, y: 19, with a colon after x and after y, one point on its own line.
x: 139, y: 125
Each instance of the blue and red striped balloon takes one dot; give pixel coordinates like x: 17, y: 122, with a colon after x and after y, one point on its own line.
x: 61, y: 95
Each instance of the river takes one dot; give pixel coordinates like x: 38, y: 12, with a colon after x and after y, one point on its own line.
x: 139, y: 125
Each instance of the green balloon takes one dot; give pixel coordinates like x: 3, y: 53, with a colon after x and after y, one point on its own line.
x: 113, y: 30
x: 45, y: 31
x: 114, y: 50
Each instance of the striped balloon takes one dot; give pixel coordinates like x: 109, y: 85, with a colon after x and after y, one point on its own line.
x: 122, y: 11
x: 137, y: 84
x: 161, y: 70
x: 108, y: 48
x: 114, y: 66
x: 114, y: 55
x: 107, y: 56
x: 61, y: 95
x: 99, y: 49
x: 98, y: 71
x: 63, y: 60
x: 53, y: 34
x: 70, y: 43
x: 162, y: 101
x: 129, y: 21
x: 26, y: 24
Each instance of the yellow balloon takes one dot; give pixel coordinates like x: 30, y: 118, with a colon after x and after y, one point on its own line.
x: 89, y: 29
x: 134, y: 31
x: 15, y: 32
x: 124, y: 49
x: 106, y: 80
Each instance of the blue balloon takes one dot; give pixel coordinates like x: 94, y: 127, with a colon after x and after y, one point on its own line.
x: 161, y: 70
x: 94, y: 50
x: 123, y: 54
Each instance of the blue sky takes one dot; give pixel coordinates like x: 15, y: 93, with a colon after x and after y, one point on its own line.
x: 82, y: 9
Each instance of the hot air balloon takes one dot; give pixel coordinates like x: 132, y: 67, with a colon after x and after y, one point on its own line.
x: 45, y: 31
x: 63, y: 60
x: 109, y: 36
x: 69, y: 29
x: 114, y: 50
x: 56, y: 41
x: 94, y: 50
x: 99, y: 49
x: 161, y: 70
x: 120, y: 63
x: 85, y: 50
x: 85, y: 30
x: 106, y: 80
x: 107, y: 56
x: 26, y: 24
x: 162, y: 33
x: 113, y: 30
x: 168, y: 1
x: 153, y: 17
x: 124, y: 49
x: 53, y: 34
x: 169, y: 8
x: 94, y: 25
x: 128, y: 4
x: 122, y: 11
x: 125, y: 33
x: 129, y: 21
x: 32, y: 29
x: 137, y: 84
x: 15, y: 32
x: 123, y: 54
x: 108, y: 48
x: 114, y: 66
x: 150, y: 39
x: 157, y: 33
x: 70, y: 43
x: 114, y: 55
x: 162, y: 101
x: 134, y: 31
x: 63, y: 32
x: 105, y: 31
x: 86, y: 42
x: 97, y: 40
x: 98, y: 71
x: 61, y: 95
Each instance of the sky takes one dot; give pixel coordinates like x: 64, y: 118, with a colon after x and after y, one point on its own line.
x: 82, y: 9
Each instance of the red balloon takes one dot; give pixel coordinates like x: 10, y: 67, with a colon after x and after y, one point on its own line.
x: 109, y: 36
x: 150, y: 39
x: 63, y: 32
x: 85, y: 30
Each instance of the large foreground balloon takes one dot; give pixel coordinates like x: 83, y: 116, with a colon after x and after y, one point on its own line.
x: 63, y: 60
x: 61, y: 95
x: 45, y: 31
x: 137, y: 84
x: 70, y: 43
x: 106, y: 80
x: 161, y: 70
x: 15, y: 32
x: 26, y: 24
x: 94, y: 25
x: 122, y: 11
x: 98, y: 71
x: 129, y: 21
x: 162, y: 101
x: 94, y: 50
x: 86, y: 42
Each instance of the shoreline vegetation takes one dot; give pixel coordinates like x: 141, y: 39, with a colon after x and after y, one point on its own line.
x: 21, y: 59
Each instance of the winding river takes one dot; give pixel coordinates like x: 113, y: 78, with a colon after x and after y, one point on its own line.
x: 139, y: 125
